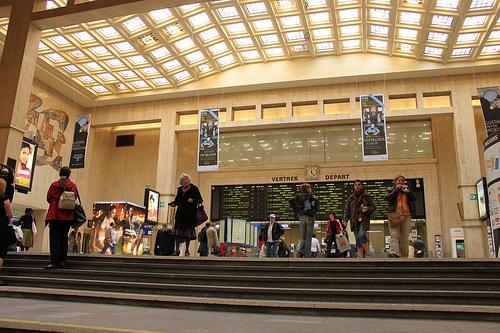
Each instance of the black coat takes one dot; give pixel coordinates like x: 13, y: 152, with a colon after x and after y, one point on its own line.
x: 277, y: 231
x: 185, y: 217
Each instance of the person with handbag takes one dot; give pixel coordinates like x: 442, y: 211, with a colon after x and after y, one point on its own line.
x: 334, y: 228
x: 28, y: 225
x: 187, y: 200
x: 401, y: 201
x: 5, y: 220
x: 60, y: 216
x: 359, y: 209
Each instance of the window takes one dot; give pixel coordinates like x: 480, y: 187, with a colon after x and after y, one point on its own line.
x: 403, y: 102
x: 187, y: 118
x: 437, y: 99
x: 336, y: 106
x: 244, y: 113
x: 274, y: 111
x: 304, y: 109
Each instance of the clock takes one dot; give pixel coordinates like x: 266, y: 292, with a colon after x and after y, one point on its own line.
x: 312, y: 172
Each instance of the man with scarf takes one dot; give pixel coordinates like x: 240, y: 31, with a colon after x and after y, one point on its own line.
x: 358, y: 209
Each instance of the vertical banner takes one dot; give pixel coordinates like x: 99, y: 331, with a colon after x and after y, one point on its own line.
x: 492, y: 166
x: 373, y: 130
x: 80, y: 136
x: 25, y: 166
x: 208, y: 140
x: 490, y: 103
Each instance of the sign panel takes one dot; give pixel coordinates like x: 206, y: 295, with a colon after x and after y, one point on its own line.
x: 490, y: 103
x: 208, y: 140
x: 255, y: 202
x: 492, y: 166
x: 79, y: 147
x: 25, y: 166
x: 373, y: 130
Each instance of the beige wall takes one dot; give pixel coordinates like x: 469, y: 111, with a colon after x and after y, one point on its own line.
x: 449, y: 177
x: 122, y: 173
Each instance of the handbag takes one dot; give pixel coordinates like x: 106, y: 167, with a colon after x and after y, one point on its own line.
x: 342, y: 243
x: 67, y: 200
x: 11, y: 236
x: 396, y: 217
x: 79, y: 215
x: 201, y: 215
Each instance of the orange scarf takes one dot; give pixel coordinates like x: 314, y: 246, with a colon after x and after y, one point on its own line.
x: 403, y: 203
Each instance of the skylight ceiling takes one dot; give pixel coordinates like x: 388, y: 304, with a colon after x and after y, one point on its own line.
x: 167, y: 48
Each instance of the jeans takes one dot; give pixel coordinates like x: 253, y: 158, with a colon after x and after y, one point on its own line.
x: 106, y: 246
x: 306, y: 229
x: 360, y: 235
x: 272, y: 249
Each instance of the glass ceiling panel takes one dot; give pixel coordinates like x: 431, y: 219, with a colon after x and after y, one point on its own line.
x: 169, y: 47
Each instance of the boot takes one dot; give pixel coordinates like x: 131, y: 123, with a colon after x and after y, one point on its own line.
x: 365, y: 250
x: 360, y: 252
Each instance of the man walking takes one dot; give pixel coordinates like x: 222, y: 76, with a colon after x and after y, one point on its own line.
x: 271, y: 233
x: 358, y: 209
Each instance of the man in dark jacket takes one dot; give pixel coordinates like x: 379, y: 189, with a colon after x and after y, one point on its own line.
x: 271, y: 233
x: 359, y: 209
x: 305, y: 204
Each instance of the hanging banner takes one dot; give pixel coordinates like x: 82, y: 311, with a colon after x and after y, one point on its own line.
x: 25, y: 166
x: 80, y: 136
x: 490, y: 103
x: 373, y: 130
x: 208, y: 140
x: 492, y: 172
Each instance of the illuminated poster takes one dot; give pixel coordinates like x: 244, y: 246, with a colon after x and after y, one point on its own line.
x: 490, y: 103
x: 492, y: 166
x: 373, y: 129
x: 79, y: 147
x: 151, y: 202
x: 208, y: 140
x: 128, y: 220
x: 25, y: 165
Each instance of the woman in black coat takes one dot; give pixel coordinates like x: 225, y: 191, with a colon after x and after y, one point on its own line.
x: 187, y: 199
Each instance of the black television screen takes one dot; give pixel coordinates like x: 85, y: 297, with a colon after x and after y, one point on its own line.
x: 152, y: 204
x: 482, y: 198
x: 25, y: 165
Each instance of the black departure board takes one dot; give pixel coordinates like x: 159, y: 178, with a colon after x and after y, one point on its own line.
x: 256, y: 202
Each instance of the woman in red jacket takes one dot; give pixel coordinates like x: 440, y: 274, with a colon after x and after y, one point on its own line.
x: 59, y: 220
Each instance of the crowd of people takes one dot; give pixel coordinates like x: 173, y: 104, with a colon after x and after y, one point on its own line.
x: 358, y: 211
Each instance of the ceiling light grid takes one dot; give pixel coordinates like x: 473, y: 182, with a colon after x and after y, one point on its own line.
x: 141, y: 45
x: 486, y: 39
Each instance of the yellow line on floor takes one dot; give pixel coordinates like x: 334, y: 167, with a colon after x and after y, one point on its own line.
x: 51, y: 326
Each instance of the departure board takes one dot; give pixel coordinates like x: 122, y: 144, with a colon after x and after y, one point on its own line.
x: 256, y: 202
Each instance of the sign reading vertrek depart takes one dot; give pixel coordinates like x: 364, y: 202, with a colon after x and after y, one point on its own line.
x: 208, y: 140
x: 490, y: 103
x: 79, y: 147
x: 373, y: 131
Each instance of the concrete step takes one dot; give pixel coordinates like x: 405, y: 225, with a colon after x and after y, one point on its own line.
x: 274, y: 293
x: 250, y: 280
x: 348, y: 309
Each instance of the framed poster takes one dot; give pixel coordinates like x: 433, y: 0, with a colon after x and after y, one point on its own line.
x: 25, y: 165
x: 152, y: 204
x: 373, y: 129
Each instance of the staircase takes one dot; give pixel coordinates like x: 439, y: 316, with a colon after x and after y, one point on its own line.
x: 419, y: 288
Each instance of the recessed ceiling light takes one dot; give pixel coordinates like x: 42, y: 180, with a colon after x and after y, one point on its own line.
x: 407, y: 33
x: 160, y: 15
x: 55, y: 57
x: 195, y: 56
x: 379, y: 14
x: 139, y: 84
x: 481, y: 4
x: 161, y: 81
x: 378, y: 44
x: 290, y: 21
x: 442, y: 20
x: 83, y: 37
x: 257, y: 8
x: 433, y: 51
x: 172, y: 64
x: 469, y: 37
x: 275, y: 52
x: 252, y: 54
x: 226, y: 60
x: 348, y: 30
x: 108, y: 32
x: 93, y: 66
x: 188, y: 8
x: 204, y: 68
x: 350, y: 44
x: 410, y: 17
x: 447, y: 3
x: 181, y: 76
x: 114, y: 63
x: 236, y: 28
x: 263, y: 25
x: 127, y: 74
x: 227, y: 12
x: 379, y: 30
x: 461, y: 52
x: 269, y: 39
x: 60, y: 41
x: 243, y: 42
x: 99, y: 89
x: 493, y: 49
x: 317, y: 18
x: 209, y: 34
x: 160, y: 53
x: 184, y: 44
x: 150, y: 71
x: 173, y: 29
x: 295, y: 35
x: 218, y: 48
x: 71, y: 69
x: 475, y: 20
x: 124, y: 47
x: 134, y: 24
x: 99, y: 51
x: 199, y: 20
x: 322, y: 33
x: 437, y: 36
x: 321, y: 47
x: 349, y: 14
x: 106, y: 77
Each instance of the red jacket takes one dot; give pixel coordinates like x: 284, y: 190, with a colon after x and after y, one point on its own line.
x: 55, y: 191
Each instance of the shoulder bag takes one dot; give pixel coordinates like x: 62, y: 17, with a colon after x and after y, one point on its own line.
x: 67, y: 200
x: 201, y: 215
x: 79, y: 215
x: 396, y: 217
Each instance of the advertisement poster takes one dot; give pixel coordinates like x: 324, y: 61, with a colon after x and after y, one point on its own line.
x: 80, y: 136
x: 208, y: 140
x: 490, y: 103
x: 152, y: 203
x: 373, y: 129
x: 25, y: 165
x: 128, y: 220
x: 492, y: 166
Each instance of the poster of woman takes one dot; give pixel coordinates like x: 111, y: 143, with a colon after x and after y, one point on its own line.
x: 151, y: 202
x: 25, y: 165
